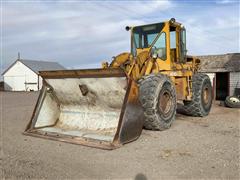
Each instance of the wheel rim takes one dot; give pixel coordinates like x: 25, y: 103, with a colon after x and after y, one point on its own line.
x: 206, y: 95
x: 165, y: 102
x: 234, y: 99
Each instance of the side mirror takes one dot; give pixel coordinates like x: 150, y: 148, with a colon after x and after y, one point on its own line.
x: 172, y: 20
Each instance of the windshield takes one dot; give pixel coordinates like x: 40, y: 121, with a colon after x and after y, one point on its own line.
x: 144, y: 36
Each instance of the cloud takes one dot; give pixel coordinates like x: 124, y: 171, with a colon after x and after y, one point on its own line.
x: 82, y: 34
x: 72, y: 33
x: 214, y: 32
x: 225, y: 1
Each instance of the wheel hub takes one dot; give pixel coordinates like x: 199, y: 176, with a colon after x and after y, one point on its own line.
x: 165, y: 102
x: 206, y: 95
x: 234, y: 99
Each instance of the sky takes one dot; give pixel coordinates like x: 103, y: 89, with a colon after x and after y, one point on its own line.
x: 82, y: 34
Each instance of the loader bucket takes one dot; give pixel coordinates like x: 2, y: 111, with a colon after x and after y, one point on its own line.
x: 95, y: 107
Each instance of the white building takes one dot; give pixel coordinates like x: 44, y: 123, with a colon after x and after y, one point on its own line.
x: 224, y: 72
x: 23, y: 75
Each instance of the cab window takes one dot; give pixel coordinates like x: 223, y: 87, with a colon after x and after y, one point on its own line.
x: 160, y: 46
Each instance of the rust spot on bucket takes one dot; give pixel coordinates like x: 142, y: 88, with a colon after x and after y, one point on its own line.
x: 84, y: 89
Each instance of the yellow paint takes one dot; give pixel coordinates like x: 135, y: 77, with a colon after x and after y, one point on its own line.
x: 144, y: 64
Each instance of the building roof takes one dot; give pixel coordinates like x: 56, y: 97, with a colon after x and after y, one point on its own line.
x: 234, y: 63
x: 37, y: 66
x: 220, y: 63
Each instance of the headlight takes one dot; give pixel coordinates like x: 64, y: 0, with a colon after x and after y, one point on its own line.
x: 154, y: 55
x: 154, y: 52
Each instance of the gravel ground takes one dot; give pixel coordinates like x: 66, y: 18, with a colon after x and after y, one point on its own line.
x: 192, y: 148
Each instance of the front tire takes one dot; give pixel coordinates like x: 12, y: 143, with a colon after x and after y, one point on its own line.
x: 157, y: 96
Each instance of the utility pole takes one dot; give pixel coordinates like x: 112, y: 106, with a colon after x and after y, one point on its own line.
x: 18, y: 55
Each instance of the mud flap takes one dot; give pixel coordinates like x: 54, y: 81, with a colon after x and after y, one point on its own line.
x: 96, y: 107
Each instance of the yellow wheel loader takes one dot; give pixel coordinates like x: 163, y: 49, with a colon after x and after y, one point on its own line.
x: 108, y: 107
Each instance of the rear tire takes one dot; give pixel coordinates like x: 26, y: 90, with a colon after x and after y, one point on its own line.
x: 157, y: 96
x: 201, y: 102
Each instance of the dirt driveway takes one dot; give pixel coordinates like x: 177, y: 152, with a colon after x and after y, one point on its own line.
x: 192, y: 148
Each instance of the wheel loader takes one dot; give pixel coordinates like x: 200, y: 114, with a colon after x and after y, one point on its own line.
x: 108, y: 107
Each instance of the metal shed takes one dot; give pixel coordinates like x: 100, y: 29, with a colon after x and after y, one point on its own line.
x: 23, y: 75
x: 224, y: 72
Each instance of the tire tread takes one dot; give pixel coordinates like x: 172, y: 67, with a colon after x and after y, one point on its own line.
x: 148, y: 96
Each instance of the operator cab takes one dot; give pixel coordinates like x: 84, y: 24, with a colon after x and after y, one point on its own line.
x: 149, y: 37
x: 154, y: 38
